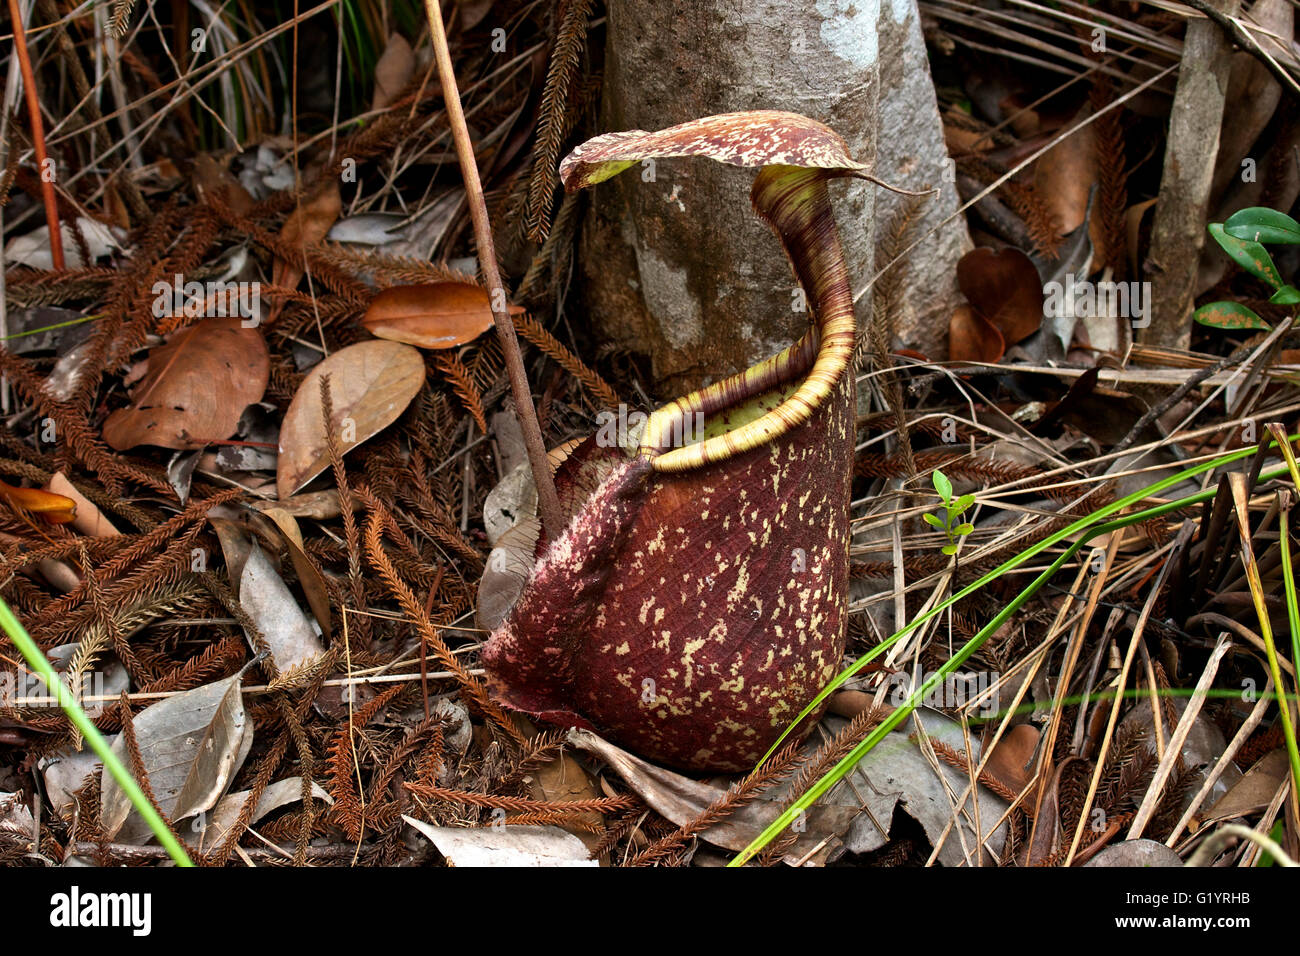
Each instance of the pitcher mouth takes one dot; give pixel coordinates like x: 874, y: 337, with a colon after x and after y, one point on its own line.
x: 796, y: 204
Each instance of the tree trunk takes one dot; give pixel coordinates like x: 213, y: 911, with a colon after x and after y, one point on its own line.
x: 680, y: 269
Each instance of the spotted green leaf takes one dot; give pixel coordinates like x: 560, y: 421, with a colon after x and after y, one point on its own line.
x: 1228, y: 315
x: 1251, y: 256
x: 1261, y: 224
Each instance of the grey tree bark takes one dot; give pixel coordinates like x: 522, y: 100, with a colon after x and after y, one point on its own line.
x: 679, y: 268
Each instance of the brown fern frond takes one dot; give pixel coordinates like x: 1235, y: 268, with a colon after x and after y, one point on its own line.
x: 340, y: 767
x: 27, y: 288
x: 462, y: 383
x: 346, y: 506
x: 736, y: 796
x: 831, y: 753
x: 270, y: 762
x: 1043, y: 225
x: 388, y: 270
x: 521, y: 804
x: 552, y: 128
x: 1112, y: 176
x: 958, y: 760
x: 217, y: 660
x: 77, y: 439
x: 595, y: 386
x: 474, y: 690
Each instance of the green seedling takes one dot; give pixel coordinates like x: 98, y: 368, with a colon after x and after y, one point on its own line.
x: 950, y: 523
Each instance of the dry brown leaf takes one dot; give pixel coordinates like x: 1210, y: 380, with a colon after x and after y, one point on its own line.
x: 214, y: 182
x: 320, y: 505
x: 1253, y: 792
x: 307, y: 224
x: 1010, y: 761
x: 562, y: 780
x: 309, y: 576
x: 393, y: 71
x: 1064, y: 176
x: 197, y: 386
x: 235, y: 546
x: 1004, y: 287
x: 435, y: 315
x: 371, y: 384
x: 972, y: 339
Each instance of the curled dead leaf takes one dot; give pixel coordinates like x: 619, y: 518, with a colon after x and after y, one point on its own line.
x: 309, y: 223
x: 190, y: 745
x: 195, y: 389
x: 433, y: 315
x: 1004, y: 287
x: 972, y: 338
x: 54, y: 508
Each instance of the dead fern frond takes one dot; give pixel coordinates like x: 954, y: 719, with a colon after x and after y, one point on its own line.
x: 595, y: 386
x: 341, y: 769
x: 462, y: 383
x: 571, y: 37
x: 1112, y: 175
x: 740, y: 793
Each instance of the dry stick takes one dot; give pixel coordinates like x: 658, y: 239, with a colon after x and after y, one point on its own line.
x: 1156, y: 588
x: 548, y: 502
x: 38, y: 134
x: 1176, y: 396
x: 1178, y: 230
x: 1247, y: 728
x: 1174, y: 751
x: 1242, y: 37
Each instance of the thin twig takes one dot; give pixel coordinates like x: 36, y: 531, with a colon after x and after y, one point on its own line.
x: 38, y: 135
x: 548, y: 502
x: 1241, y: 36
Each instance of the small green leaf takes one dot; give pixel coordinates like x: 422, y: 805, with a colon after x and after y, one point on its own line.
x: 942, y: 485
x: 1287, y: 295
x: 934, y: 521
x: 1261, y: 224
x: 1228, y: 315
x: 964, y: 528
x: 1251, y: 256
x: 949, y: 549
x: 964, y: 502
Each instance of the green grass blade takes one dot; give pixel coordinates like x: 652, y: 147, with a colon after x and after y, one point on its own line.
x: 1088, y: 527
x: 67, y: 700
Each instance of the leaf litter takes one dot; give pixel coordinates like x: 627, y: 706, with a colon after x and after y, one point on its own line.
x: 397, y: 536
